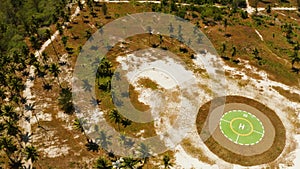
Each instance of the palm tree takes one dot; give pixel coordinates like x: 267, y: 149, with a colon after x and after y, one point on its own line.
x: 223, y: 48
x: 256, y: 53
x: 65, y: 100
x: 225, y: 25
x: 47, y: 86
x: 167, y: 161
x: 92, y: 146
x: 54, y: 69
x: 129, y: 162
x: 295, y: 59
x: 126, y: 122
x: 11, y: 127
x: 115, y: 117
x: 35, y: 43
x: 102, y: 163
x: 15, y: 163
x: 31, y: 153
x: 233, y: 51
x: 104, y: 9
x: 104, y: 69
x: 78, y: 124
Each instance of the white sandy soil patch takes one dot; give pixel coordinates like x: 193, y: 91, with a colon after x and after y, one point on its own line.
x: 56, y: 151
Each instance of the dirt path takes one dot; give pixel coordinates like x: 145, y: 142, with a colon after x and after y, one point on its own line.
x: 261, y: 38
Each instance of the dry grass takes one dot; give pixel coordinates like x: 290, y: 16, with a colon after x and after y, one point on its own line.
x: 195, y: 152
x: 148, y: 83
x: 286, y: 93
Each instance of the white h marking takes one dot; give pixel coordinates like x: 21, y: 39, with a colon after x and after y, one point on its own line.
x: 241, y: 126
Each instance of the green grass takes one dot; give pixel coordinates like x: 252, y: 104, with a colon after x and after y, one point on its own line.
x: 241, y: 127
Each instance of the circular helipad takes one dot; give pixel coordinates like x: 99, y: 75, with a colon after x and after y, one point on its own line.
x: 241, y: 127
x: 242, y: 131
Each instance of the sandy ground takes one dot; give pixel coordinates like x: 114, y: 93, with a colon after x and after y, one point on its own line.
x: 258, y: 89
x: 181, y: 156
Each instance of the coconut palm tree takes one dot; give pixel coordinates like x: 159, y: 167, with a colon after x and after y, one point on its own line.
x: 31, y: 153
x: 102, y: 163
x: 47, y: 86
x: 65, y: 100
x: 126, y: 122
x: 92, y: 146
x: 225, y: 24
x: 129, y: 162
x: 115, y: 117
x: 78, y: 124
x: 167, y: 161
x: 15, y: 163
x: 54, y: 69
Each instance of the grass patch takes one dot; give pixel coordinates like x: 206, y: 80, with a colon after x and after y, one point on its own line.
x: 148, y: 83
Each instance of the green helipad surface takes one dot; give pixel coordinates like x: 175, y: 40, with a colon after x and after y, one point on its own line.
x: 242, y: 127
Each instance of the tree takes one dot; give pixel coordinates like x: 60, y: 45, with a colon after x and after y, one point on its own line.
x: 31, y: 153
x: 268, y: 9
x: 223, y: 48
x: 255, y: 53
x: 64, y: 40
x: 78, y: 124
x: 295, y: 58
x: 54, y: 69
x: 102, y: 163
x: 34, y: 42
x: 167, y: 162
x: 47, y: 86
x: 59, y: 28
x: 233, y: 51
x: 92, y: 146
x: 126, y: 122
x: 104, y: 8
x: 65, y: 100
x: 115, y: 117
x: 225, y: 25
x: 129, y: 162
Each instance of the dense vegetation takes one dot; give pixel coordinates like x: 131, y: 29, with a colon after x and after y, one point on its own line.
x: 21, y: 21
